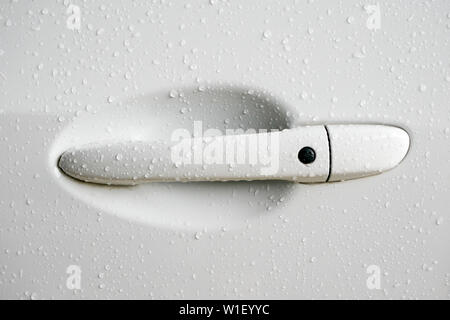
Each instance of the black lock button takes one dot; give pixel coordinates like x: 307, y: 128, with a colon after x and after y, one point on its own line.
x: 307, y: 155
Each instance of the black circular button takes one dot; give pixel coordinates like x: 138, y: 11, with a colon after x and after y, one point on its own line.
x: 307, y: 155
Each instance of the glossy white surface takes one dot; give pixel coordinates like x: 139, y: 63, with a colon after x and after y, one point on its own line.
x: 357, y: 151
x: 253, y: 156
x: 142, y: 69
x: 360, y: 150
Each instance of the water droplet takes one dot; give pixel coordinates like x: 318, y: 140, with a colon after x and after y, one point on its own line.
x: 304, y: 95
x: 267, y: 34
x: 173, y: 93
x: 422, y: 88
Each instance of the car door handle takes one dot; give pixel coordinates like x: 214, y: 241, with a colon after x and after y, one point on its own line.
x: 309, y: 154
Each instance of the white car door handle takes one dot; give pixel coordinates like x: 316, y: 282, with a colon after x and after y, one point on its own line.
x: 306, y: 154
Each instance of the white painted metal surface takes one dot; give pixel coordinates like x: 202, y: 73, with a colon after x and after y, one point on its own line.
x: 360, y: 151
x: 76, y: 72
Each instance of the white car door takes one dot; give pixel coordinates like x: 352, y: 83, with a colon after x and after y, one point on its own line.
x: 74, y: 73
